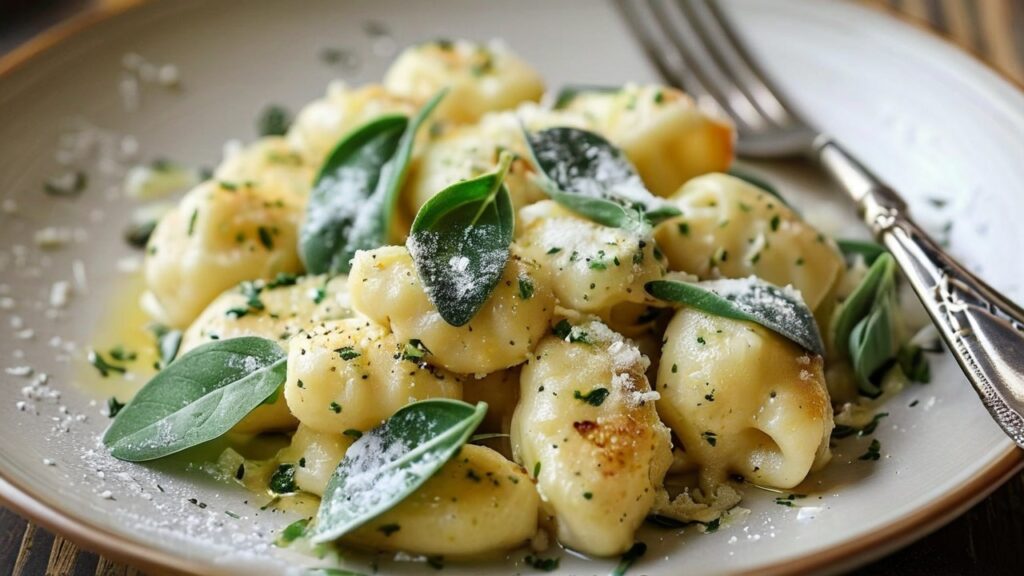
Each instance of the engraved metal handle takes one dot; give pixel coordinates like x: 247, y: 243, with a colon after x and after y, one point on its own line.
x: 983, y: 328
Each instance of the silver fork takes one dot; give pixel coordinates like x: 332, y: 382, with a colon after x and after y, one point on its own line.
x: 694, y: 47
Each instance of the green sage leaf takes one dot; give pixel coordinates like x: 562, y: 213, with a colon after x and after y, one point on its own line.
x: 588, y: 175
x: 751, y: 300
x: 460, y: 243
x: 868, y: 250
x: 867, y: 326
x: 390, y: 462
x: 197, y: 398
x: 353, y: 200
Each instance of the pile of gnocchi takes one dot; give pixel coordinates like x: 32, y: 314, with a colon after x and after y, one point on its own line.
x: 484, y: 322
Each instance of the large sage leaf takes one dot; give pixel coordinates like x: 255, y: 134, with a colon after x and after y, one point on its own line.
x: 460, y: 243
x: 353, y: 200
x: 197, y: 398
x: 390, y: 462
x: 588, y: 175
x: 749, y: 299
x: 867, y: 326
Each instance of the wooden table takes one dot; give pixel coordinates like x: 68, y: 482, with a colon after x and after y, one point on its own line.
x: 988, y: 539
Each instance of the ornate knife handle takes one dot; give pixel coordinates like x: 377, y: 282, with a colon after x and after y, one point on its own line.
x: 983, y: 328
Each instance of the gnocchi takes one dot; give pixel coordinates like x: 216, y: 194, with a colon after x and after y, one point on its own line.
x: 732, y: 229
x: 352, y: 374
x: 743, y: 400
x: 385, y: 287
x: 586, y: 426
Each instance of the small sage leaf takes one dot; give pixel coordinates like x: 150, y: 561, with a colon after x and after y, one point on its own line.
x: 750, y: 299
x: 588, y: 175
x: 353, y: 200
x: 197, y: 398
x: 460, y: 243
x: 390, y: 462
x: 867, y: 325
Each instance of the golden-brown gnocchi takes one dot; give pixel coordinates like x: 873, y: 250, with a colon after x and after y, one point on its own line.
x: 586, y: 426
x: 221, y: 234
x: 352, y: 374
x: 385, y: 287
x: 480, y: 78
x: 478, y: 502
x: 743, y: 400
x: 732, y: 229
x: 593, y: 267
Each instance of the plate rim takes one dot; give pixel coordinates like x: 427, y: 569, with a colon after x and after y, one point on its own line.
x: 844, y: 556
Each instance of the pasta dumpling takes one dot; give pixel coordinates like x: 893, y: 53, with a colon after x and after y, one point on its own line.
x: 219, y: 235
x: 743, y: 400
x: 478, y: 502
x: 323, y: 123
x: 593, y: 267
x: 273, y: 164
x: 730, y: 228
x: 480, y: 78
x: 586, y: 426
x: 352, y: 374
x: 385, y: 287
x: 468, y: 151
x: 662, y: 132
x: 315, y: 455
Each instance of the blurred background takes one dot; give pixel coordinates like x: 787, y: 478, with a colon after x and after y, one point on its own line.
x: 986, y: 540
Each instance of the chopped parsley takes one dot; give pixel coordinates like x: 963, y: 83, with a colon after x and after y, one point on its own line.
x: 414, y: 350
x: 265, y: 238
x: 713, y: 526
x: 192, y: 222
x: 283, y: 480
x: 353, y: 433
x: 874, y: 451
x: 710, y: 437
x: 347, y: 352
x: 542, y: 564
x: 536, y: 470
x: 389, y: 529
x: 281, y: 280
x: 274, y: 121
x: 102, y: 365
x: 120, y: 354
x: 595, y: 397
x: 683, y: 228
x: 554, y: 250
x: 114, y: 406
x: 335, y: 407
x: 292, y: 532
x: 588, y: 495
x: 775, y: 221
x: 788, y: 500
x: 525, y: 288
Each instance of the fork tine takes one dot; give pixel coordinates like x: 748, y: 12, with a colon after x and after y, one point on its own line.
x: 676, y: 72
x: 680, y: 32
x: 749, y: 74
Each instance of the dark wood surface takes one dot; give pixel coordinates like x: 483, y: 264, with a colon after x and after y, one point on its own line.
x: 987, y: 540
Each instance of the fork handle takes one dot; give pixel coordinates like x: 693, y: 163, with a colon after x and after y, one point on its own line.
x: 983, y: 328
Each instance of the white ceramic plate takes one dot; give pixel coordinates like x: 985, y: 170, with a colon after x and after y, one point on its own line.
x: 931, y: 120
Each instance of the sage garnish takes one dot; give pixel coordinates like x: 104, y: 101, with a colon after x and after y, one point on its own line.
x: 460, y: 243
x: 595, y: 397
x: 353, y: 200
x: 283, y: 480
x: 867, y: 326
x: 390, y: 462
x: 632, y: 555
x: 588, y: 175
x: 868, y: 250
x: 274, y: 121
x: 197, y: 398
x: 751, y: 300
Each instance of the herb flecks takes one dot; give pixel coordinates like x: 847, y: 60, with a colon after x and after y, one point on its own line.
x: 595, y: 397
x: 873, y: 453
